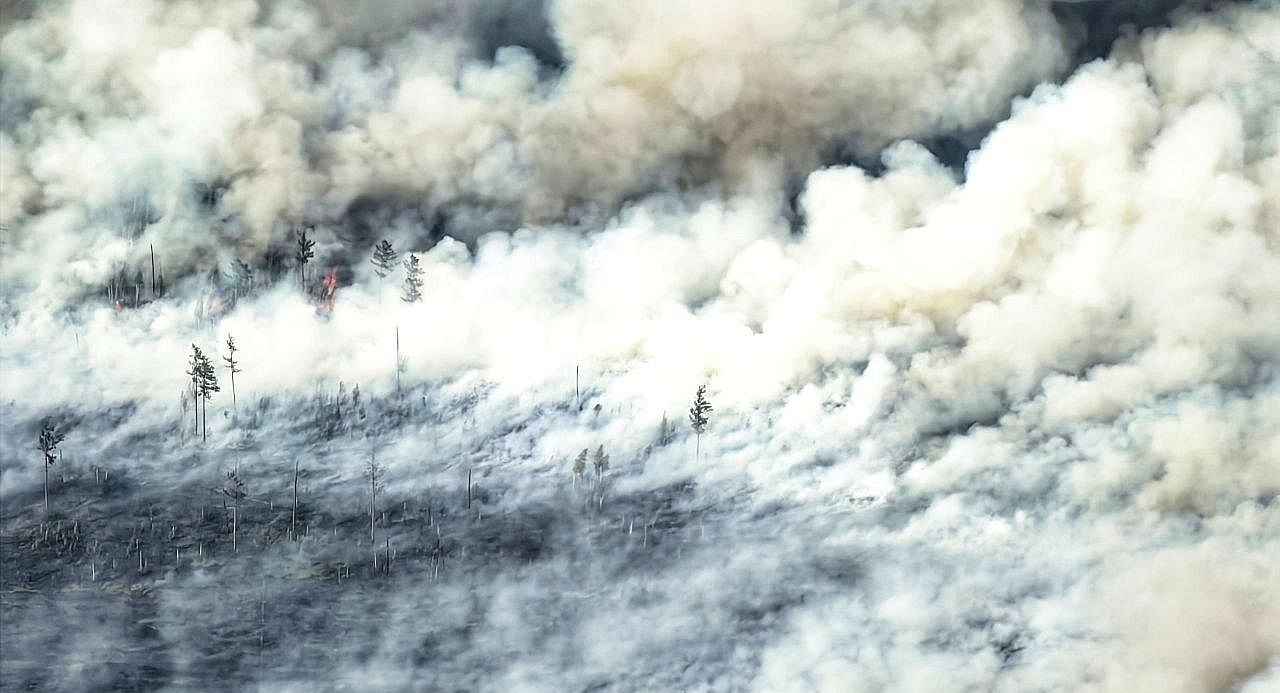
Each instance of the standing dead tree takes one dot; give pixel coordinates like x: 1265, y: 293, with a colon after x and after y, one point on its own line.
x: 373, y: 471
x: 50, y: 438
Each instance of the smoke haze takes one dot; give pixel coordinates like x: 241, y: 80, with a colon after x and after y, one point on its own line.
x: 986, y: 296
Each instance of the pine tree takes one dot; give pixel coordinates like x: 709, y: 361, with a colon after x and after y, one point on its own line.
x: 50, y: 437
x: 374, y: 473
x: 232, y: 366
x: 699, y: 417
x: 580, y: 464
x: 193, y: 370
x: 601, y: 462
x: 305, y: 251
x: 384, y: 259
x: 241, y: 278
x: 666, y: 431
x: 207, y: 384
x: 412, y: 280
x: 235, y: 490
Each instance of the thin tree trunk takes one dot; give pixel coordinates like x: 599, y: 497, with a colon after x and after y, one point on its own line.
x: 233, y: 389
x: 373, y: 495
x: 397, y: 360
x: 46, y: 486
x: 293, y: 523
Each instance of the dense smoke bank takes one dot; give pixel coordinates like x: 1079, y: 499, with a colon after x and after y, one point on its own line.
x: 1001, y: 421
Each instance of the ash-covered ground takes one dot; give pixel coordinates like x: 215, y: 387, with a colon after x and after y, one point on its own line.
x: 982, y: 299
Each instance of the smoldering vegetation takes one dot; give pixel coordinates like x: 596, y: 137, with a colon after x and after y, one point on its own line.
x: 983, y: 302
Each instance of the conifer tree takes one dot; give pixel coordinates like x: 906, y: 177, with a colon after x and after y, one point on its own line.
x: 241, y: 278
x: 193, y: 370
x: 207, y: 384
x: 412, y: 280
x: 235, y: 490
x: 580, y: 465
x: 384, y: 259
x: 232, y: 366
x: 699, y: 417
x: 303, y: 254
x: 601, y: 462
x: 50, y: 437
x: 374, y: 473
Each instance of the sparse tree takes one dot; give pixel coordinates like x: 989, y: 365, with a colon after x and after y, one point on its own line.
x: 373, y: 471
x: 50, y: 438
x: 412, y: 280
x: 601, y: 462
x: 666, y: 431
x: 580, y: 465
x: 235, y: 490
x: 207, y: 384
x: 232, y: 367
x: 303, y: 255
x: 384, y: 259
x: 293, y: 519
x: 241, y: 278
x: 193, y: 371
x: 699, y: 417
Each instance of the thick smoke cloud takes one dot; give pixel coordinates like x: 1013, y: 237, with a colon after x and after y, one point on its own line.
x: 285, y: 110
x: 1007, y: 428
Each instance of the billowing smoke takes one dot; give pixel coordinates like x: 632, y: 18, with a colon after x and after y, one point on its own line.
x: 1009, y: 426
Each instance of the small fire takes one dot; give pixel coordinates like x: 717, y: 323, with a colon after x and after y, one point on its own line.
x: 330, y: 285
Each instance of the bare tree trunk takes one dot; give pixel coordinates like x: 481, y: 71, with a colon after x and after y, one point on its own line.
x: 293, y: 523
x: 46, y: 487
x: 397, y: 361
x: 373, y: 494
x: 153, y: 271
x: 233, y: 389
x: 468, y: 487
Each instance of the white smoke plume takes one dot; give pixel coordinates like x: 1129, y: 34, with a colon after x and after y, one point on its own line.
x: 1008, y: 427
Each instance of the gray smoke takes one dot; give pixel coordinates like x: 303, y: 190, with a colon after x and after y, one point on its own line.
x: 1009, y: 427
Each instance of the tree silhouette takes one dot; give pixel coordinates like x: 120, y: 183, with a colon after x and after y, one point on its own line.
x: 241, y: 278
x: 50, y: 437
x: 412, y: 280
x: 303, y: 255
x: 206, y: 384
x: 193, y: 370
x: 235, y: 490
x: 601, y: 462
x: 232, y: 366
x: 699, y: 417
x: 580, y: 465
x: 384, y: 258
